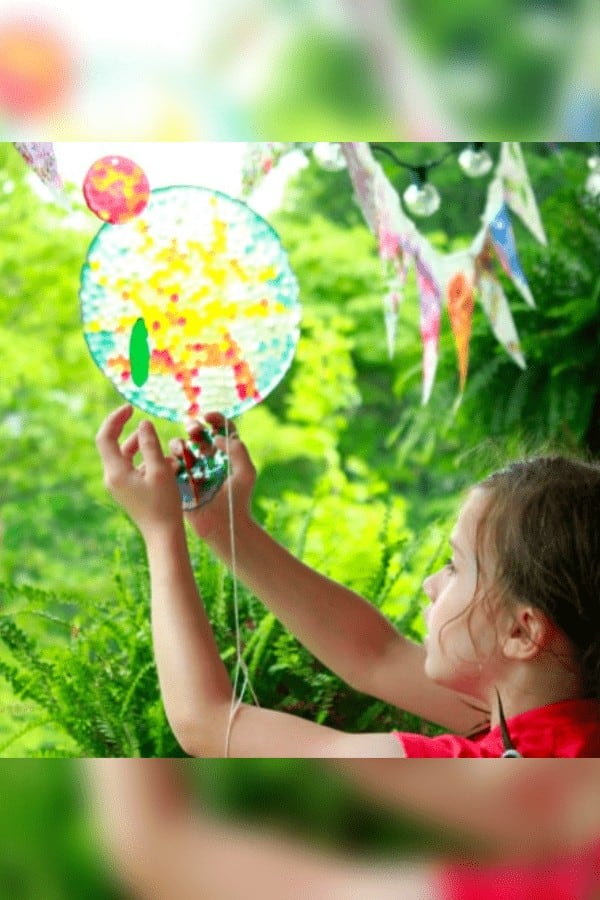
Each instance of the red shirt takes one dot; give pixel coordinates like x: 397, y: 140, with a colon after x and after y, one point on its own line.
x: 568, y: 729
x: 573, y: 877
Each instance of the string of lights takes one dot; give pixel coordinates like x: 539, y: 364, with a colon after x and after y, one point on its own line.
x: 422, y: 197
x: 592, y: 184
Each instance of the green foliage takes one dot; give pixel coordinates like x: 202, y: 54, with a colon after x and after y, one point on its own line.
x: 86, y: 665
x: 325, y: 88
x: 47, y: 845
x: 488, y: 55
x: 49, y: 468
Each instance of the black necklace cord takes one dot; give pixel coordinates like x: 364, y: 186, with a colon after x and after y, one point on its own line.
x: 510, y: 751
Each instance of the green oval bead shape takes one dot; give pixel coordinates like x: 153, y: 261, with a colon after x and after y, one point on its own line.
x: 139, y: 353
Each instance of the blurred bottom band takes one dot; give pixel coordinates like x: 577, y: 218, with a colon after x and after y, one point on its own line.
x: 107, y: 829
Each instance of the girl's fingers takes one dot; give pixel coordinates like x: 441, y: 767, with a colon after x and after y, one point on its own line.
x: 172, y: 462
x: 107, y: 439
x: 150, y: 446
x: 131, y: 446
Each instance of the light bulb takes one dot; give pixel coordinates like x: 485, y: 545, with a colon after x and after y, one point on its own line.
x: 475, y: 162
x: 594, y: 163
x: 422, y: 199
x: 592, y: 184
x: 329, y: 156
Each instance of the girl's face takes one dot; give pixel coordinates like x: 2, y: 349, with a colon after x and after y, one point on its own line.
x: 460, y: 655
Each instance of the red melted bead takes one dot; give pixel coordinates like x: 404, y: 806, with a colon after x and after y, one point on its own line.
x: 116, y: 189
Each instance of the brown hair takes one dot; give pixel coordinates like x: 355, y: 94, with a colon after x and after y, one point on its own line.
x: 542, y: 519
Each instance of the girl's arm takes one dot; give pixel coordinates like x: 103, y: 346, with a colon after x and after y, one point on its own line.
x: 342, y: 629
x: 516, y: 810
x: 195, y: 685
x: 164, y: 848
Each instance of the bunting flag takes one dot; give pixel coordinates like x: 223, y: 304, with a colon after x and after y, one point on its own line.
x: 456, y: 279
x: 495, y: 305
x: 393, y: 229
x: 39, y: 156
x: 518, y: 192
x: 391, y: 308
x: 459, y: 285
x: 503, y: 238
x: 262, y: 157
x: 430, y: 301
x: 396, y: 274
x: 399, y: 243
x: 379, y: 202
x: 363, y: 170
x: 395, y: 237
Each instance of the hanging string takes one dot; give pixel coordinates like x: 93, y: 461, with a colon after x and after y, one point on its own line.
x: 236, y: 701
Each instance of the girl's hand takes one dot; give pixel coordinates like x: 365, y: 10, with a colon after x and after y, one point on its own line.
x: 212, y: 519
x: 149, y: 492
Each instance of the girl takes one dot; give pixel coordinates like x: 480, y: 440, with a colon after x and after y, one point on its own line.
x: 538, y: 828
x: 514, y: 620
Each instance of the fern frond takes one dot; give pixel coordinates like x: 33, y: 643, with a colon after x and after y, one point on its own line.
x: 31, y: 726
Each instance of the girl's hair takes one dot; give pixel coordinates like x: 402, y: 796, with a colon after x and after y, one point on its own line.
x: 542, y: 520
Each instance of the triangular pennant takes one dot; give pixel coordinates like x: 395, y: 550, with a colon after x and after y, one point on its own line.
x: 518, y: 192
x: 395, y: 272
x: 496, y: 308
x: 363, y: 169
x: 503, y: 237
x: 379, y: 202
x: 459, y: 288
x: 260, y: 158
x: 430, y: 304
x: 381, y: 208
x: 391, y: 307
x: 40, y: 157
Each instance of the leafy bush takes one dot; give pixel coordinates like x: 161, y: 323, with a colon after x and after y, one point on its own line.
x: 87, y: 665
x: 86, y: 662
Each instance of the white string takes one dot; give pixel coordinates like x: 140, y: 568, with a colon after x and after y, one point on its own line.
x: 241, y: 666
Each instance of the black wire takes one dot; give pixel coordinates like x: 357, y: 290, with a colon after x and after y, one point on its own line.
x: 416, y: 169
x: 392, y: 155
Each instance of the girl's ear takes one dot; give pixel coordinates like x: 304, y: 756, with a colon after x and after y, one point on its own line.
x: 527, y: 633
